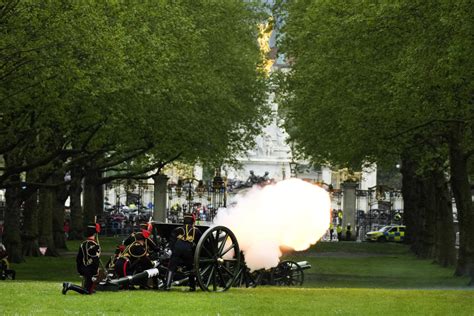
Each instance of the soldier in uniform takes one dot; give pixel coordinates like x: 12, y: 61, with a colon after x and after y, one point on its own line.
x: 331, y: 231
x: 183, y: 244
x: 136, y: 254
x: 5, y: 270
x: 87, y: 262
x: 348, y: 232
x: 339, y: 232
x: 145, y: 235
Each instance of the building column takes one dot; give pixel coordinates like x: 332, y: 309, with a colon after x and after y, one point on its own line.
x: 160, y: 197
x: 349, y: 207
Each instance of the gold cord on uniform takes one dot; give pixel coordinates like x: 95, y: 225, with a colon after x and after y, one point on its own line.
x: 187, y: 234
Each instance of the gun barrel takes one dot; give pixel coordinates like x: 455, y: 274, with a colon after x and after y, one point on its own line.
x: 136, y: 277
x: 304, y: 265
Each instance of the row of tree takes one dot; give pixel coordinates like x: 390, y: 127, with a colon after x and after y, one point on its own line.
x: 96, y: 91
x: 390, y: 82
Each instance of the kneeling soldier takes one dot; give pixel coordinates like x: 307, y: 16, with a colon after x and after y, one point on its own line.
x: 87, y: 263
x: 5, y: 270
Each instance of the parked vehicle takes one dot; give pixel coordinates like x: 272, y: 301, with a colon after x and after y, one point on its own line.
x: 387, y: 233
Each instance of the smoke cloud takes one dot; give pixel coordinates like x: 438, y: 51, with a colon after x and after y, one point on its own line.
x: 289, y: 214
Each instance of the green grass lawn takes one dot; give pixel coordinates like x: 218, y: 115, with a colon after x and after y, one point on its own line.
x: 345, y: 279
x: 44, y: 298
x: 373, y: 265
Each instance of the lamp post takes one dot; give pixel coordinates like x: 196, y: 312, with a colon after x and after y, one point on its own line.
x: 293, y: 163
x: 293, y: 166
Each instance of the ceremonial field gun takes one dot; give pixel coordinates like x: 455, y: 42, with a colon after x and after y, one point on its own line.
x: 286, y: 273
x: 218, y: 263
x: 217, y: 257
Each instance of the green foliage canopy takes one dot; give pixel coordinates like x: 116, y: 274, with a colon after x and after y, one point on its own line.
x: 104, y: 83
x: 370, y: 80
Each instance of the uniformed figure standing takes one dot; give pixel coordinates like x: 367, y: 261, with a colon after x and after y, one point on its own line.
x: 348, y: 231
x: 5, y: 271
x: 397, y: 217
x: 339, y: 232
x: 331, y: 231
x: 183, y: 244
x: 87, y: 262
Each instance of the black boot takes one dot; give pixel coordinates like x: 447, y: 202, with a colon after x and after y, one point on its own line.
x: 192, y: 283
x: 68, y: 286
x: 169, y: 279
x: 155, y: 283
x: 65, y: 288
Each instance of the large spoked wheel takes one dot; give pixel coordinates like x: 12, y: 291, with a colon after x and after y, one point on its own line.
x: 217, y: 259
x: 288, y: 273
x: 245, y: 278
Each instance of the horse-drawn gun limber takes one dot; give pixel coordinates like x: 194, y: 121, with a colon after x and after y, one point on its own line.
x: 218, y: 263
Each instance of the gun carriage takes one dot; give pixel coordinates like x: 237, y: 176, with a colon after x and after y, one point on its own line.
x: 218, y: 263
x: 216, y: 260
x: 286, y: 273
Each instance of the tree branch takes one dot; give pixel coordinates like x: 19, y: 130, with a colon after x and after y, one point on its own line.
x: 411, y: 129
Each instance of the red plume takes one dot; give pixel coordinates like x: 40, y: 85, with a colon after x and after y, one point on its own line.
x: 97, y: 227
x: 145, y: 233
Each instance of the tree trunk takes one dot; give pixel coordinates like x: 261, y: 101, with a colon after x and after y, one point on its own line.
x: 60, y: 195
x: 46, y: 221
x: 77, y: 219
x: 462, y: 195
x: 419, y: 199
x: 12, y: 237
x: 30, y: 223
x: 445, y: 235
x: 93, y: 196
x: 409, y: 199
x: 420, y: 220
x: 12, y: 234
x: 428, y: 246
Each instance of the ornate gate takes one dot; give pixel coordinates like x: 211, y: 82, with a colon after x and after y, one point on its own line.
x: 202, y: 198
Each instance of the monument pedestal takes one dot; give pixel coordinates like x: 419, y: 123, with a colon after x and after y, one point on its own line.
x: 160, y: 198
x: 349, y: 208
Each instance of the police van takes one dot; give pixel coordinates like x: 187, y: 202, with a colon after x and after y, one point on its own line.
x: 387, y: 233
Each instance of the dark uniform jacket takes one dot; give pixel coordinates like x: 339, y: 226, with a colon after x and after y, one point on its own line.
x: 186, y: 236
x: 183, y: 243
x: 87, y: 259
x: 149, y: 243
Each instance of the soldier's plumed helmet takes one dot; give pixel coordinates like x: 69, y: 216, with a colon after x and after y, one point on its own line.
x: 188, y: 219
x: 91, y: 230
